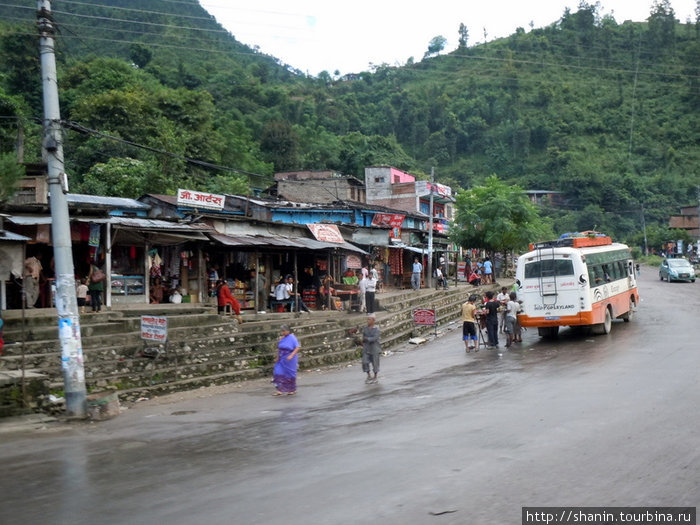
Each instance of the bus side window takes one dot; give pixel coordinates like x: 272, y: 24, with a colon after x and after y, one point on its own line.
x: 599, y: 276
x: 591, y: 275
x: 606, y: 273
x: 621, y: 273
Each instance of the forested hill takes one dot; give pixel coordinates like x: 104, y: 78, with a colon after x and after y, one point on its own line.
x: 604, y: 112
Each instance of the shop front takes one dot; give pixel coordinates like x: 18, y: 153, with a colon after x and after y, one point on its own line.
x: 313, y: 266
x: 154, y: 261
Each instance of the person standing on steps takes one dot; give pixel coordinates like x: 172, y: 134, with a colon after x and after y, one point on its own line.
x: 96, y: 287
x: 362, y: 290
x: 370, y: 290
x: 416, y: 273
x: 371, y: 349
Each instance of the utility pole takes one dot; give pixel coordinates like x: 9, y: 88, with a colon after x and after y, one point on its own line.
x: 429, y: 279
x: 644, y: 228
x: 66, y: 303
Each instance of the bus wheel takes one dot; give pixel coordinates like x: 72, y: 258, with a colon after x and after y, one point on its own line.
x: 629, y: 315
x: 548, y: 332
x: 604, y: 327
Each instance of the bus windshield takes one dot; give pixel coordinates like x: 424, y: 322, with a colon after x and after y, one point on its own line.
x: 549, y: 268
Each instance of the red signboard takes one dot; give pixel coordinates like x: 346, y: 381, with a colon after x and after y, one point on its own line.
x: 424, y: 317
x: 387, y: 220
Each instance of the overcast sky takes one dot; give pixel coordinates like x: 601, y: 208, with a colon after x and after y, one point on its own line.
x: 318, y: 35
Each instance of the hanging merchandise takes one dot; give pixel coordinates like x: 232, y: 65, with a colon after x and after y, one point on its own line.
x: 94, y: 239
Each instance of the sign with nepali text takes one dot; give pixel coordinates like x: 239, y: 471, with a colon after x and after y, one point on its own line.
x: 154, y: 328
x: 326, y: 232
x: 200, y: 199
x: 387, y: 220
x: 424, y: 317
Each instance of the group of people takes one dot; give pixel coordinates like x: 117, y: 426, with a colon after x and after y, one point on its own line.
x: 480, y: 272
x: 500, y: 312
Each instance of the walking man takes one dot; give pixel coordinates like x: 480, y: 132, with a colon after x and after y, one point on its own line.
x: 469, y: 333
x: 416, y: 274
x: 371, y: 349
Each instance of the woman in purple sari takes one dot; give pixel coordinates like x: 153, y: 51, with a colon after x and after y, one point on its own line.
x: 285, y: 370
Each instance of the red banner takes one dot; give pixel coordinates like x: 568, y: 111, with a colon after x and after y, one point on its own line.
x: 387, y: 220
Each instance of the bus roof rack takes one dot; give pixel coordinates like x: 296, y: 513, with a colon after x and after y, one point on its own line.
x: 575, y: 240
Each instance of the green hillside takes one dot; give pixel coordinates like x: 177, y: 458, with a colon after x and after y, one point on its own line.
x: 603, y: 112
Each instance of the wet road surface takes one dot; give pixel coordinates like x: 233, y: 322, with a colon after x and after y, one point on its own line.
x: 445, y: 437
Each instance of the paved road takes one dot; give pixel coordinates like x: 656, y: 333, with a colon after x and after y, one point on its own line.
x: 445, y: 438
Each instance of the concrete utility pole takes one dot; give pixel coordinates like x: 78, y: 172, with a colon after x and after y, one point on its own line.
x: 66, y: 303
x: 429, y: 277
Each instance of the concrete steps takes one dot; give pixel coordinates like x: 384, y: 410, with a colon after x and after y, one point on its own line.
x: 204, y: 348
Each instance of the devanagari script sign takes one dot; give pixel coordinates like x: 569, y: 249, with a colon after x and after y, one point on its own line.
x: 200, y: 199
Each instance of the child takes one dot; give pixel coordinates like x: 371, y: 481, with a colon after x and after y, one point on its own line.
x: 82, y: 292
x: 512, y: 308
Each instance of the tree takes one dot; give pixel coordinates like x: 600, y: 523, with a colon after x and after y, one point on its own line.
x: 497, y: 217
x: 437, y: 44
x: 140, y: 55
x: 11, y: 172
x: 124, y: 177
x: 662, y: 25
x: 463, y: 36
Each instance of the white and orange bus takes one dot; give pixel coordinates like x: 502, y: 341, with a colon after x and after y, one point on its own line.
x: 581, y: 279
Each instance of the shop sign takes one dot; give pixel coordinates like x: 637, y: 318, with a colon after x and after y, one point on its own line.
x: 326, y: 232
x: 423, y: 188
x: 353, y: 261
x: 154, y: 328
x: 200, y: 199
x: 424, y: 317
x: 387, y: 220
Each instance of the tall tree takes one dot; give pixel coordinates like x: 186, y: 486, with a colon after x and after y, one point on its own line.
x: 436, y: 45
x: 10, y: 174
x: 463, y: 36
x: 497, y: 217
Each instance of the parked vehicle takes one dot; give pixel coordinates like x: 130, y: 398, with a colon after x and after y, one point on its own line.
x: 676, y: 270
x: 581, y: 279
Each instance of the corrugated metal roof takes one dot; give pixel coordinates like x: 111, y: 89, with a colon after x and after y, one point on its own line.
x: 281, y: 242
x: 112, y: 202
x: 9, y: 236
x: 156, y: 224
x: 28, y: 220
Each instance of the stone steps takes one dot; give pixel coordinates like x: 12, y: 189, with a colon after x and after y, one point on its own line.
x: 205, y: 348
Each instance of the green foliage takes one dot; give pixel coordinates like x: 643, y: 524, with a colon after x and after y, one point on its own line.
x: 497, y: 217
x: 604, y: 113
x: 436, y: 45
x: 10, y: 174
x: 124, y: 177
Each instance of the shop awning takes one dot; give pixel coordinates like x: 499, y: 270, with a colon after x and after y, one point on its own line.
x: 14, y: 237
x: 409, y: 248
x: 29, y: 220
x: 174, y: 230
x: 281, y: 242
